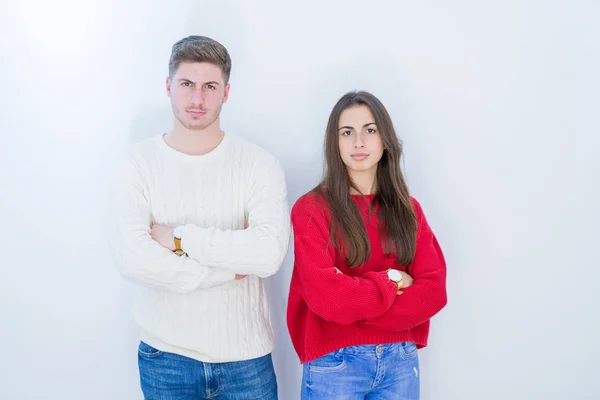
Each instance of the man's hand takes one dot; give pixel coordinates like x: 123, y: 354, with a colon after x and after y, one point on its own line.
x: 163, y: 235
x: 407, y: 280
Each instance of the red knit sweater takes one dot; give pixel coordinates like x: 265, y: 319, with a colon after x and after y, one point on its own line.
x: 328, y: 310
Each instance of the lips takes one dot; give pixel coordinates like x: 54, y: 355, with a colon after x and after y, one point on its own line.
x: 359, y: 156
x: 196, y: 113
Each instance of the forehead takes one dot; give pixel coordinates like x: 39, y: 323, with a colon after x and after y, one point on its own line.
x: 199, y: 72
x: 356, y: 116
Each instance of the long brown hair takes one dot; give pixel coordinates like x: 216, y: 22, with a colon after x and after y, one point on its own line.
x: 396, y: 216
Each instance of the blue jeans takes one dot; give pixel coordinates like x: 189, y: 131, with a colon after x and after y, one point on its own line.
x: 383, y: 372
x: 168, y: 376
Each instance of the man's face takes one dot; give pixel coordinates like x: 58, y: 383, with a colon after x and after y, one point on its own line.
x: 197, y: 92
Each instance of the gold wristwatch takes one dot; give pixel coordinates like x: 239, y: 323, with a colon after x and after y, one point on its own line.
x: 395, y: 276
x: 177, y: 235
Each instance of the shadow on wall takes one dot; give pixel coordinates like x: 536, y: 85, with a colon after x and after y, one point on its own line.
x: 151, y: 121
x: 285, y: 360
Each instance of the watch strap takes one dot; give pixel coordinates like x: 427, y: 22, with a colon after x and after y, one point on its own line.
x: 178, y: 249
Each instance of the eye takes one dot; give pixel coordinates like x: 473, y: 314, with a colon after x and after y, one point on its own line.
x: 186, y: 84
x: 371, y: 130
x: 346, y: 133
x: 211, y: 87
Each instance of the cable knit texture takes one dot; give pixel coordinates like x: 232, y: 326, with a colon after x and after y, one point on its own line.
x: 233, y: 204
x: 329, y: 309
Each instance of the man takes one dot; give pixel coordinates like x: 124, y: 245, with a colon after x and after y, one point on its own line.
x: 201, y: 216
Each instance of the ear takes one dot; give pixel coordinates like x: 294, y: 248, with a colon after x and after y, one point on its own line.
x: 226, y: 93
x: 168, y: 86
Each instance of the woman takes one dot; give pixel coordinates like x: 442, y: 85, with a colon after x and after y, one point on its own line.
x: 368, y: 271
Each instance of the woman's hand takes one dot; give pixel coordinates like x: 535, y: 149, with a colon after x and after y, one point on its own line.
x: 407, y: 280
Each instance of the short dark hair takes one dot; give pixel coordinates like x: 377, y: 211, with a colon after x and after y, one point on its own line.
x: 200, y: 49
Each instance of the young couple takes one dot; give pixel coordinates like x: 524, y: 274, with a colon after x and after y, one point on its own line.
x: 201, y: 216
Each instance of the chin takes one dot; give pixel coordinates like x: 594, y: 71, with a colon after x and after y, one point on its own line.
x: 192, y: 126
x: 361, y: 168
x: 196, y: 125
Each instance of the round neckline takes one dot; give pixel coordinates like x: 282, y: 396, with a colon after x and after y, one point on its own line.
x: 192, y: 158
x: 363, y: 195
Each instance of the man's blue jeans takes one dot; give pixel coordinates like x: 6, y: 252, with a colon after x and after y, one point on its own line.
x: 168, y: 376
x: 383, y: 372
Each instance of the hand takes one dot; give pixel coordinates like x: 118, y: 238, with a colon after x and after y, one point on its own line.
x: 407, y: 280
x: 238, y: 277
x: 163, y: 235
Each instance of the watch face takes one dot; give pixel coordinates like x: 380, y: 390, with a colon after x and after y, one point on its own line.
x: 177, y: 232
x: 394, y: 275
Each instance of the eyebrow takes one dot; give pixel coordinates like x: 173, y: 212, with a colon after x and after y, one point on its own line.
x: 351, y: 127
x: 205, y: 83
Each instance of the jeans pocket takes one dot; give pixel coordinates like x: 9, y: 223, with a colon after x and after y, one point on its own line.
x: 332, y: 362
x: 147, y: 351
x: 409, y: 349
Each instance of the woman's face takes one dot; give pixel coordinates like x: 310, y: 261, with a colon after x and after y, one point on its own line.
x: 360, y: 143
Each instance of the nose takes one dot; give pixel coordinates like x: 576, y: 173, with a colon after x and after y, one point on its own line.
x: 197, y: 98
x: 359, y: 141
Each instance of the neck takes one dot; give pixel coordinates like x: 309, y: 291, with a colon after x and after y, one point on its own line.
x: 365, y: 181
x: 195, y: 142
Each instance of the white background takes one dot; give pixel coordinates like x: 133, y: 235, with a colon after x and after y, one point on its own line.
x: 494, y: 101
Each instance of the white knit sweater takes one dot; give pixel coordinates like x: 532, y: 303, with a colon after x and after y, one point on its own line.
x: 233, y: 203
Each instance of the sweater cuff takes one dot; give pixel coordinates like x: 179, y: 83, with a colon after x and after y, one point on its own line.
x: 193, y: 243
x: 386, y: 283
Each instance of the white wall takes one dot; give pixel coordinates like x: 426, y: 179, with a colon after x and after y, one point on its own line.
x: 493, y: 100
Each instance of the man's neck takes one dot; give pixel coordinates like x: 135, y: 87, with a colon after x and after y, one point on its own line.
x: 194, y: 142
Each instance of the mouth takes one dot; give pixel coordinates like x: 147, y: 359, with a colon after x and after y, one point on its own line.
x: 359, y: 156
x: 196, y: 113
